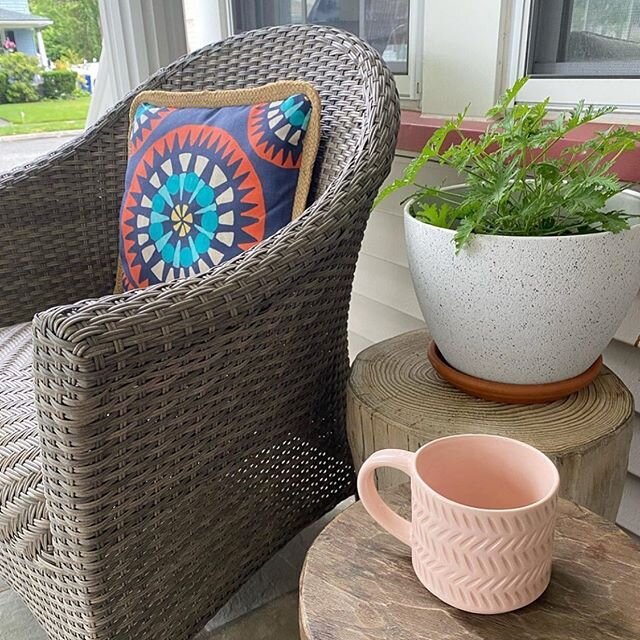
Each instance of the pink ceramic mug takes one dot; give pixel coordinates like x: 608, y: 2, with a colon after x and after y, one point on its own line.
x: 483, y: 512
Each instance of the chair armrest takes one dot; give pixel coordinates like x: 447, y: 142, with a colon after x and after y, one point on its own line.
x: 58, y: 220
x: 209, y: 409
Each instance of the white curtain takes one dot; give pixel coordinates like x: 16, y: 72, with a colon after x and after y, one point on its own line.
x: 138, y: 37
x: 206, y: 21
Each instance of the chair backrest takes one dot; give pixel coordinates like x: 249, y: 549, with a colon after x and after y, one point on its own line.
x: 353, y: 83
x: 81, y: 184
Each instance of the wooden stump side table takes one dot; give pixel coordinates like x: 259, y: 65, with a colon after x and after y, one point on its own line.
x: 358, y: 584
x: 396, y: 400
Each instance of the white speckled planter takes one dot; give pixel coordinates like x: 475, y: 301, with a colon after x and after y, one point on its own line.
x: 525, y: 310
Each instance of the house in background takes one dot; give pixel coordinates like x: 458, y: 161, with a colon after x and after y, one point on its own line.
x: 20, y: 26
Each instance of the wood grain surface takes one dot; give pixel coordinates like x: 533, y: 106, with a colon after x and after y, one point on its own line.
x: 358, y: 584
x: 396, y: 399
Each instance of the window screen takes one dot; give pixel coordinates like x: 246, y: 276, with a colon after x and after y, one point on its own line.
x: 382, y: 23
x: 585, y: 38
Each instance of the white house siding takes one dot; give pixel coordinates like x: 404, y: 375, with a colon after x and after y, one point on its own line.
x: 384, y: 304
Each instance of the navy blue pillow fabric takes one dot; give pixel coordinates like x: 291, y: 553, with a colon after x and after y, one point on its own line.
x: 204, y: 184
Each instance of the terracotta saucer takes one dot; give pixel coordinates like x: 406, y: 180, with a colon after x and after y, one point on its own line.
x: 511, y: 393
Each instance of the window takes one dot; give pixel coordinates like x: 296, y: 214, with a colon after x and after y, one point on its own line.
x: 390, y: 26
x: 576, y: 49
x: 585, y: 38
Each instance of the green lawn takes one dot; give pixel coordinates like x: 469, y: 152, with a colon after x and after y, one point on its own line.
x: 50, y: 115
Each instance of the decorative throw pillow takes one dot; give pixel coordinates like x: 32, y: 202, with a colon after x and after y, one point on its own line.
x: 211, y: 174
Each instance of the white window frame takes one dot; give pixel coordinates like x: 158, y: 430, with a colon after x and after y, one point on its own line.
x: 408, y: 84
x: 564, y: 92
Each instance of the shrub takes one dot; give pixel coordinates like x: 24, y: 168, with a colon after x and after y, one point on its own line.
x: 58, y: 84
x: 22, y: 92
x: 19, y: 67
x: 4, y: 85
x: 19, y: 71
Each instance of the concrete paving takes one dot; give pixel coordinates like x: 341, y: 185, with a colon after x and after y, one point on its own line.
x: 277, y: 620
x: 19, y: 150
x: 16, y: 623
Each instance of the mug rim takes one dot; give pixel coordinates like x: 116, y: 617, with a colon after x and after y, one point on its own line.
x: 548, y: 496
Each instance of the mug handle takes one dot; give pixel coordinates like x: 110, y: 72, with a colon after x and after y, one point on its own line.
x: 373, y: 503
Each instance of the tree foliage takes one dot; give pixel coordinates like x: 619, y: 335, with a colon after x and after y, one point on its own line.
x: 515, y: 186
x: 75, y: 32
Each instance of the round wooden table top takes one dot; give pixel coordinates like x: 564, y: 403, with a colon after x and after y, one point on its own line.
x: 358, y: 584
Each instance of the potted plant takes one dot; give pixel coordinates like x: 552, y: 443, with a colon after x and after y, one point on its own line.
x: 524, y: 273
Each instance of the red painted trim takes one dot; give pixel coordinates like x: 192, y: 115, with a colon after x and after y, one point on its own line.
x: 415, y: 130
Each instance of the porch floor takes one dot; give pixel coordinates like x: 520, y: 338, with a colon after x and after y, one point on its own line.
x: 277, y: 620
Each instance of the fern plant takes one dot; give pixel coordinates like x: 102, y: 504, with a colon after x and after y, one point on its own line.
x: 514, y: 186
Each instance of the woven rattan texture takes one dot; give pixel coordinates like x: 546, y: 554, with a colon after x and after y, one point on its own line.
x: 187, y: 430
x: 24, y: 523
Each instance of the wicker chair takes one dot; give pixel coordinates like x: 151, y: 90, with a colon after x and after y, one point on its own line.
x: 170, y: 440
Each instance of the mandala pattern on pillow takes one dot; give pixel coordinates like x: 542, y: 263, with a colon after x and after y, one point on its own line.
x: 276, y: 130
x: 195, y: 201
x: 146, y: 119
x: 205, y: 184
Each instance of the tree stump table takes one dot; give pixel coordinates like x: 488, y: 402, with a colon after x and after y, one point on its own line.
x: 358, y: 584
x: 396, y: 400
